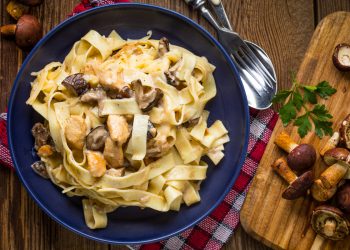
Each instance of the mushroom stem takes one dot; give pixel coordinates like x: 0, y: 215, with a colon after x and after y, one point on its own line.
x: 329, y: 227
x: 286, y: 143
x: 332, y: 175
x: 320, y: 193
x: 8, y: 30
x: 331, y: 143
x: 282, y: 168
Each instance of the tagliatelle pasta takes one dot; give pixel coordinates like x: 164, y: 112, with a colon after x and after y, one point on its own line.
x: 125, y: 124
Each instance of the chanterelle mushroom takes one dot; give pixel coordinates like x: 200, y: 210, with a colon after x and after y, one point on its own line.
x: 340, y: 158
x: 345, y: 132
x: 95, y: 140
x: 297, y: 185
x: 301, y: 157
x: 75, y: 132
x: 329, y: 222
x: 146, y: 100
x: 76, y: 84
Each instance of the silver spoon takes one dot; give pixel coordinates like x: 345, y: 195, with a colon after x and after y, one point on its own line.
x: 256, y: 70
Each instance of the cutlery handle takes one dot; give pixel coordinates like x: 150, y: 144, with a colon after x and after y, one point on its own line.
x: 219, y: 10
x: 210, y: 18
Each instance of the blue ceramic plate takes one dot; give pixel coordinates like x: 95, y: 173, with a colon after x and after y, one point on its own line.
x: 131, y: 225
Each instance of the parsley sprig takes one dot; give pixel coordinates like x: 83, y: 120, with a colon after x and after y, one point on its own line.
x: 295, y: 100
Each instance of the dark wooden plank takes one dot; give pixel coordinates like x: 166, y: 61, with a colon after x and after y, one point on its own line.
x: 324, y: 8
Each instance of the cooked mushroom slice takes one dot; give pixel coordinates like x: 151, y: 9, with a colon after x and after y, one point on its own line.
x: 171, y: 78
x: 345, y: 132
x: 116, y: 172
x: 329, y: 222
x: 146, y: 100
x: 41, y: 135
x: 152, y: 131
x: 331, y: 143
x: 76, y: 84
x: 297, y: 185
x: 39, y: 167
x: 93, y: 96
x: 301, y: 157
x: 96, y: 163
x: 75, y: 132
x: 320, y: 192
x: 191, y: 123
x: 124, y: 92
x: 96, y: 139
x: 340, y: 158
x: 341, y: 57
x: 113, y: 153
x: 118, y: 128
x: 343, y: 197
x: 163, y: 47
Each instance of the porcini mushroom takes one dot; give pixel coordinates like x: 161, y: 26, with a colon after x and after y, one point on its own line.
x: 39, y: 167
x: 341, y: 57
x: 146, y: 100
x: 76, y: 84
x: 16, y: 9
x: 301, y: 157
x: 30, y: 2
x: 93, y: 96
x: 151, y: 130
x: 343, y: 197
x: 339, y: 159
x: 329, y: 222
x: 297, y: 185
x: 27, y: 31
x: 320, y: 193
x: 41, y: 135
x: 331, y: 143
x: 345, y: 132
x: 95, y: 140
x: 163, y: 46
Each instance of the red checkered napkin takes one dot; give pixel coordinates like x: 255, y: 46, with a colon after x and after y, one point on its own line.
x: 215, y: 230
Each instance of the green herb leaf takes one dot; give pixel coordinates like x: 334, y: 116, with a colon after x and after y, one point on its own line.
x: 281, y: 96
x: 297, y: 100
x: 310, y: 96
x: 304, y: 125
x: 321, y: 112
x: 324, y: 90
x: 287, y: 113
x: 310, y: 88
x: 323, y: 127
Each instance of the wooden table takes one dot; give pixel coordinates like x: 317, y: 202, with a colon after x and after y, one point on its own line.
x: 282, y: 28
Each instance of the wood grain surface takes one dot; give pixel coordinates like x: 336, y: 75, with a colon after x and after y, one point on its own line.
x: 282, y: 28
x: 285, y: 224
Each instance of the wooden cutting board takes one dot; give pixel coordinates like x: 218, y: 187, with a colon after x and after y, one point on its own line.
x: 279, y: 223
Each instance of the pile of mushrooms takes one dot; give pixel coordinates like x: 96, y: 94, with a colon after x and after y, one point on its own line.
x: 27, y: 31
x: 331, y: 189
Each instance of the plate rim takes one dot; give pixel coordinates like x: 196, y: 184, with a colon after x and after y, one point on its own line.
x: 116, y: 6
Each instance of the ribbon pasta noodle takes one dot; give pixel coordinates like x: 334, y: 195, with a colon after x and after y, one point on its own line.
x: 125, y: 124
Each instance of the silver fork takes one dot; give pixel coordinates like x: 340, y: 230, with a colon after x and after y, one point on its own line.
x: 260, y: 85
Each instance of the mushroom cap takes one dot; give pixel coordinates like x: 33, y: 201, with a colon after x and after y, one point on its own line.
x: 337, y: 154
x: 341, y: 57
x: 299, y: 187
x: 343, y: 197
x: 30, y: 2
x: 345, y: 132
x: 302, y: 158
x: 96, y: 139
x: 28, y: 31
x: 325, y: 213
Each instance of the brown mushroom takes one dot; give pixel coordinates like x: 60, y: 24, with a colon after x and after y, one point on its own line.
x: 301, y: 157
x: 31, y: 2
x: 339, y: 159
x: 191, y: 123
x: 331, y: 143
x: 41, y: 135
x: 163, y: 47
x: 96, y: 139
x: 39, y: 167
x: 146, y: 99
x: 151, y: 130
x: 345, y: 132
x: 93, y: 96
x: 343, y: 197
x: 171, y: 78
x: 16, y: 9
x: 76, y: 84
x: 320, y: 193
x: 298, y: 186
x: 27, y: 31
x: 341, y: 57
x: 329, y: 222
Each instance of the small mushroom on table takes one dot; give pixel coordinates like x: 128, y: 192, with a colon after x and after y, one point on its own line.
x: 301, y: 157
x: 298, y: 186
x: 331, y: 143
x: 343, y: 197
x: 345, y: 132
x: 329, y: 222
x: 27, y: 31
x: 339, y: 159
x: 341, y: 57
